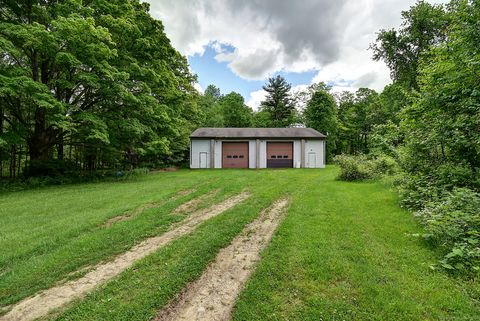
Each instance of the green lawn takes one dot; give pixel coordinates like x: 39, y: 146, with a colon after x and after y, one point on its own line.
x: 343, y: 251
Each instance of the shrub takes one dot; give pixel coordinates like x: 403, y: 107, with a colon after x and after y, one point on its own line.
x: 453, y: 223
x: 51, y: 168
x: 359, y: 167
x: 353, y: 168
x: 416, y: 191
x: 134, y: 173
x: 383, y: 165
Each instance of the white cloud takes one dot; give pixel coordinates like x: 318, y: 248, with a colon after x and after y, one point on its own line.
x: 330, y: 36
x: 256, y: 97
x: 198, y: 87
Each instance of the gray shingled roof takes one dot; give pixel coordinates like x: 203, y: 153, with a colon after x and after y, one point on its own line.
x: 293, y: 132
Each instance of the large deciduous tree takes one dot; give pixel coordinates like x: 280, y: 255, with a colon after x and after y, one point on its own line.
x: 321, y: 114
x: 235, y: 112
x: 423, y: 26
x: 100, y: 76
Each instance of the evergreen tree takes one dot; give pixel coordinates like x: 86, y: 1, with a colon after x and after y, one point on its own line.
x: 278, y: 102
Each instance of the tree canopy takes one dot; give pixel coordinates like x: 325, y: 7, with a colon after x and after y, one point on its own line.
x: 321, y: 114
x: 99, y: 77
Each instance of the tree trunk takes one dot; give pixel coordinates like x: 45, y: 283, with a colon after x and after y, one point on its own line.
x: 60, y: 147
x: 19, y: 164
x: 13, y: 165
x: 41, y: 141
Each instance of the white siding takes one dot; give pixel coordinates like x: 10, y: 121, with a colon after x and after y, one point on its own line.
x: 297, y: 153
x: 200, y: 146
x: 263, y: 154
x: 218, y: 154
x: 252, y: 151
x: 314, y: 157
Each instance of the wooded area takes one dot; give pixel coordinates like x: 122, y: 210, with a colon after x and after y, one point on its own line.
x: 88, y: 85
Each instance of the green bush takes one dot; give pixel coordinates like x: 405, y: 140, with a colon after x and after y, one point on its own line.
x: 131, y: 174
x: 453, y: 223
x: 383, y: 165
x: 71, y: 177
x: 359, y: 167
x: 416, y: 191
x: 353, y: 168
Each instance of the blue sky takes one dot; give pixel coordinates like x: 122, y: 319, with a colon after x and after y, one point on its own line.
x: 210, y: 71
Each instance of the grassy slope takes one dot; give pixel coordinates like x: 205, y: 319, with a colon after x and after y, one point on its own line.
x: 342, y: 251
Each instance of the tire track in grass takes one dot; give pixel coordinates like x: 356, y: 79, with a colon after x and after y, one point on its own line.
x: 213, y: 295
x: 142, y: 208
x: 42, y: 303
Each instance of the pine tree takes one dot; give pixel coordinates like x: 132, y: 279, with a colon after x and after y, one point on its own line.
x: 278, y: 102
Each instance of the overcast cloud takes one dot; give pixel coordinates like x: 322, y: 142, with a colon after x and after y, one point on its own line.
x: 329, y: 36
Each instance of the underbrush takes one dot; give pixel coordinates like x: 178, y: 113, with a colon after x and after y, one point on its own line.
x: 360, y: 167
x: 452, y: 222
x: 71, y: 177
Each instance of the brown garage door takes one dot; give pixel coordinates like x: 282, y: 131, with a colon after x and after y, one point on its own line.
x: 235, y: 154
x: 279, y: 155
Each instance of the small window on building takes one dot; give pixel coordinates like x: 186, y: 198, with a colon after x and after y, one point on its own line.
x: 273, y: 156
x: 285, y: 156
x: 235, y: 156
x: 229, y: 156
x: 241, y: 156
x: 279, y: 156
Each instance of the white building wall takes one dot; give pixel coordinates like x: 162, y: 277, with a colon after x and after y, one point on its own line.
x: 252, y: 154
x: 200, y: 146
x: 314, y: 154
x: 218, y: 154
x: 263, y: 154
x: 297, y: 153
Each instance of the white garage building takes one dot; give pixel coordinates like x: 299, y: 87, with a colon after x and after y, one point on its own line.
x: 257, y: 148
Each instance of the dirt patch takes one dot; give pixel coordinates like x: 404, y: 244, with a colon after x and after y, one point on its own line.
x: 131, y: 213
x: 139, y: 210
x: 184, y: 193
x: 213, y: 295
x: 41, y: 304
x: 193, y: 204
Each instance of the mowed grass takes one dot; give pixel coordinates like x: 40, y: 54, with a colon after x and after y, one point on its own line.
x: 346, y: 251
x: 343, y: 252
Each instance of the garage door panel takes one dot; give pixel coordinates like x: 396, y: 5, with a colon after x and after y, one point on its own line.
x: 279, y: 154
x: 235, y: 154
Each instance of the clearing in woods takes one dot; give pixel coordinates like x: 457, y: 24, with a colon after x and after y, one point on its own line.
x: 341, y: 250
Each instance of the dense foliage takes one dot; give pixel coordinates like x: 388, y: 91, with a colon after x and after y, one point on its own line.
x: 454, y: 224
x: 224, y: 110
x: 96, y: 82
x: 361, y: 167
x: 321, y: 114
